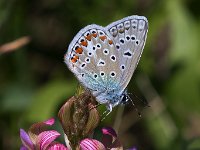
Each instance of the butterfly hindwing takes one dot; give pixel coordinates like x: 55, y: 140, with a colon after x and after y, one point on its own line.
x: 91, y: 58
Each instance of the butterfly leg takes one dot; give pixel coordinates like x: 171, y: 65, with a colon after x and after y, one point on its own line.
x: 109, y: 108
x: 107, y: 112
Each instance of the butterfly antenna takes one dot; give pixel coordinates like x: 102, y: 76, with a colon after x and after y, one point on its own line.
x: 136, y: 109
x: 143, y: 101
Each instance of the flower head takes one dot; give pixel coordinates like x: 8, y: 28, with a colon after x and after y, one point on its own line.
x: 79, y: 117
x: 109, y: 140
x: 38, y: 138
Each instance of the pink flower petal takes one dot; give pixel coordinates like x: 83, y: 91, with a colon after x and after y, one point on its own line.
x: 109, y: 131
x: 23, y: 148
x: 50, y: 121
x: 45, y: 138
x: 91, y: 144
x: 38, y: 128
x: 109, y: 138
x: 57, y: 146
x: 26, y: 141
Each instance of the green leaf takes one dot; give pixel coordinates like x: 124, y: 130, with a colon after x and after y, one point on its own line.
x: 49, y: 97
x: 194, y: 144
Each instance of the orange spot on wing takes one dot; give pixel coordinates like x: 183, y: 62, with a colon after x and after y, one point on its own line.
x: 110, y: 42
x: 89, y: 37
x: 74, y: 59
x: 102, y: 37
x: 84, y: 43
x: 79, y: 50
x: 94, y: 35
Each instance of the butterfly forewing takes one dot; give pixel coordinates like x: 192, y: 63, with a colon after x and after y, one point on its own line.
x: 129, y: 35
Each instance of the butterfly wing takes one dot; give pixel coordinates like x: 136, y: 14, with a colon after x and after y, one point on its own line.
x: 91, y: 57
x: 129, y: 35
x: 104, y: 59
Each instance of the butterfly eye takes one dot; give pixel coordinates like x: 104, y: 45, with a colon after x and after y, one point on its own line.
x: 124, y: 99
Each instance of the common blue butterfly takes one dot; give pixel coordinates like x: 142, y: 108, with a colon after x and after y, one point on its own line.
x: 104, y: 58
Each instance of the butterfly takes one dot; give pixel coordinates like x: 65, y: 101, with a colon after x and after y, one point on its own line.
x: 104, y: 59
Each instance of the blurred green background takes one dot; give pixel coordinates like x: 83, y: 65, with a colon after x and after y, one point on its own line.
x: 35, y: 82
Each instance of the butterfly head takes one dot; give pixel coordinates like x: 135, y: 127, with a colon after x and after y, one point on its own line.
x: 125, y: 97
x: 112, y: 98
